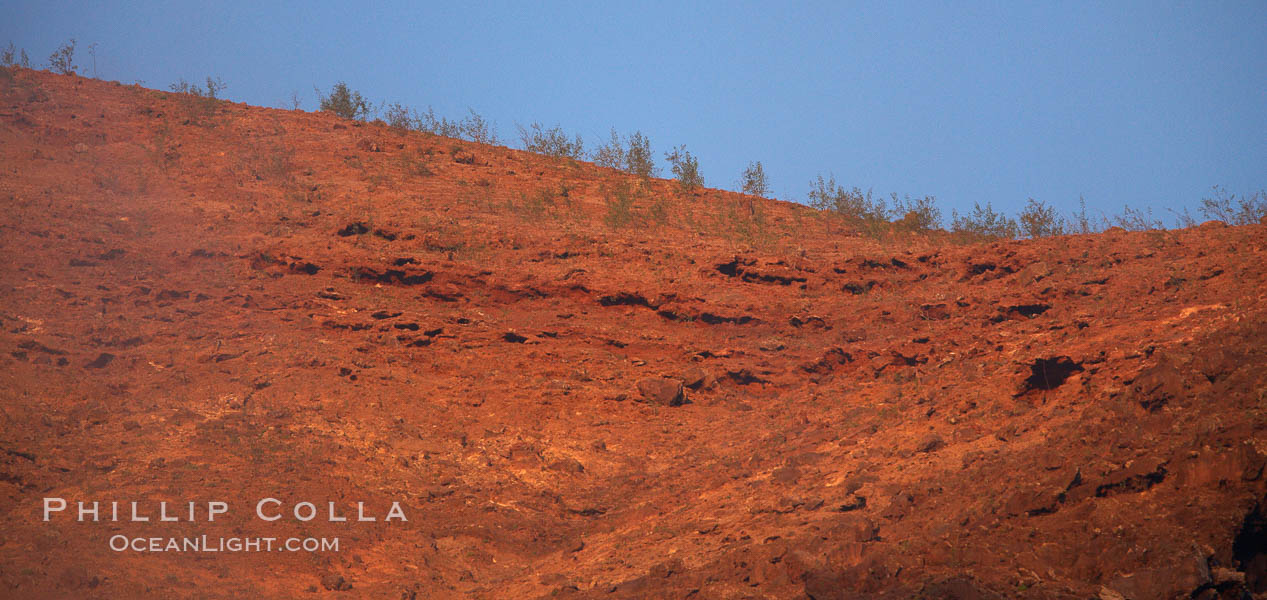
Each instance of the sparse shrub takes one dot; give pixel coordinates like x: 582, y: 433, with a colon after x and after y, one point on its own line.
x: 415, y: 164
x: 611, y: 154
x: 12, y: 57
x: 620, y: 205
x: 437, y: 126
x: 344, y: 102
x: 269, y: 161
x: 563, y: 198
x: 400, y: 116
x: 199, y: 103
x: 871, y: 214
x: 984, y: 223
x: 92, y: 51
x: 1133, y: 219
x: 1039, y: 220
x: 919, y: 214
x: 556, y: 203
x: 476, y: 129
x: 1185, y: 218
x: 481, y: 195
x: 745, y: 220
x: 212, y: 91
x: 162, y: 150
x: 551, y: 142
x: 658, y: 212
x: 537, y: 203
x: 853, y: 205
x: 861, y: 210
x: 685, y: 169
x: 473, y: 128
x: 823, y: 193
x: 754, y: 180
x: 62, y: 60
x: 274, y: 162
x: 638, y: 158
x: 1082, y: 222
x: 461, y: 155
x: 307, y: 194
x: 632, y: 155
x: 1232, y: 210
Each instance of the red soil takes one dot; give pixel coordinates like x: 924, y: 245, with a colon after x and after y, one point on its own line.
x: 183, y: 319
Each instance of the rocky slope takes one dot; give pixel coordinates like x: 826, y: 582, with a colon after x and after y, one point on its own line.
x: 695, y: 394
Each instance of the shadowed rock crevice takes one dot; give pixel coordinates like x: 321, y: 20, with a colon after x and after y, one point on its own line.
x: 356, y: 228
x: 391, y: 276
x: 1049, y: 373
x: 737, y: 268
x: 1138, y: 478
x: 625, y: 299
x: 1028, y: 310
x: 1249, y: 550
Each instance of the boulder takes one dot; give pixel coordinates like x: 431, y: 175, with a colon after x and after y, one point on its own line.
x: 661, y: 390
x: 697, y: 378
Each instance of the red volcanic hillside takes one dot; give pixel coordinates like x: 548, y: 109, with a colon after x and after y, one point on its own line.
x: 575, y: 384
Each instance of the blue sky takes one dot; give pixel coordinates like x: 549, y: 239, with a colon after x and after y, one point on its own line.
x: 1140, y: 103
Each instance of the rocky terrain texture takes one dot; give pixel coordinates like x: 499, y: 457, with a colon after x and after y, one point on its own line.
x: 688, y: 395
